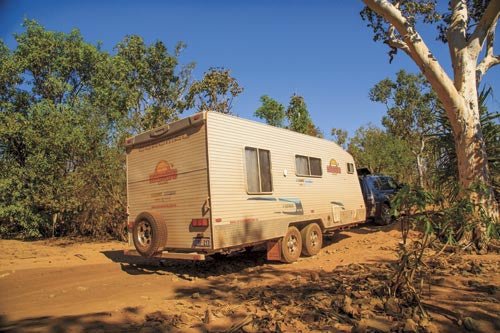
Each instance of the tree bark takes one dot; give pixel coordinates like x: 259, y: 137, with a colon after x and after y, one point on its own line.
x: 420, y: 171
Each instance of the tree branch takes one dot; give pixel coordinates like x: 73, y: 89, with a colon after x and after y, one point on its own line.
x: 489, y: 59
x: 421, y: 55
x: 395, y: 43
x: 483, y: 28
x: 485, y: 64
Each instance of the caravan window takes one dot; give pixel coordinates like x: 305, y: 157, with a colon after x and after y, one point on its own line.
x: 258, y: 167
x: 302, y: 165
x: 350, y: 168
x: 315, y: 164
x: 308, y: 166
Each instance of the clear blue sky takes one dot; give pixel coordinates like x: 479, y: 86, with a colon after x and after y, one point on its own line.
x: 321, y: 49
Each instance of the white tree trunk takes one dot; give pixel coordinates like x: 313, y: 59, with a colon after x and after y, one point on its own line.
x: 420, y: 169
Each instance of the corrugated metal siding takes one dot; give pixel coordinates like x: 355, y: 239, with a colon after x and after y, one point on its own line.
x: 243, y: 220
x: 178, y: 200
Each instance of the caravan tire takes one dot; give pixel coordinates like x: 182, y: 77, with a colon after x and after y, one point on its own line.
x: 312, y: 240
x: 291, y: 245
x: 149, y: 233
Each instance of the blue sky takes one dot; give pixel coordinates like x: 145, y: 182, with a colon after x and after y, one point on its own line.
x: 320, y: 49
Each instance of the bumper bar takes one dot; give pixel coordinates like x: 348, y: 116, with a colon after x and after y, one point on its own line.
x: 169, y: 255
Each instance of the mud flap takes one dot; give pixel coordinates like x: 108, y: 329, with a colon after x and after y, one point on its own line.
x: 274, y: 250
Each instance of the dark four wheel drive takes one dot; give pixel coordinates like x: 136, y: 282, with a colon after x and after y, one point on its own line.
x: 377, y: 192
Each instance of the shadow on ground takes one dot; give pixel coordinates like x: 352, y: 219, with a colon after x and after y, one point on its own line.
x: 234, y: 263
x: 188, y: 270
x: 93, y: 322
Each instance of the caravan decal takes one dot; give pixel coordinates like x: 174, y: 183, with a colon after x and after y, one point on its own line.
x: 333, y: 167
x: 290, y: 206
x: 164, y: 172
x: 305, y: 182
x: 165, y: 142
x: 297, y: 203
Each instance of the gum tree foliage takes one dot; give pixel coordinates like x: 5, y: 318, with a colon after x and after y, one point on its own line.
x: 411, y: 113
x: 468, y: 27
x: 271, y: 111
x: 65, y: 107
x: 295, y: 118
x: 158, y: 85
x: 298, y: 115
x: 381, y: 153
x: 299, y: 119
x: 340, y: 136
x: 215, y: 91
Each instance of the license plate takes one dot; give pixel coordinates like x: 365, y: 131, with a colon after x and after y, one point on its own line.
x: 201, y: 242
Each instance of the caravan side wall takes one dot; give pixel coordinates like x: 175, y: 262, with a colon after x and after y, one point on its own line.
x: 169, y: 176
x: 240, y: 218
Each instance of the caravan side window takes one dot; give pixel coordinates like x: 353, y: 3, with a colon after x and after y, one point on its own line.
x: 350, y: 168
x: 258, y: 167
x: 308, y: 166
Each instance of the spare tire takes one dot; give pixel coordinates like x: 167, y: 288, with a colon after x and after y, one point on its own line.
x: 149, y: 233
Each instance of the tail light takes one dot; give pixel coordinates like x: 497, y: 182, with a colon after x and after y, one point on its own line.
x: 130, y: 226
x: 199, y: 222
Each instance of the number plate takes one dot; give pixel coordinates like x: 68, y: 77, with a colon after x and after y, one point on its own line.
x: 201, y: 242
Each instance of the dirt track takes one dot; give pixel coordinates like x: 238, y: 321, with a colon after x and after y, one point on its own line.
x: 60, y: 286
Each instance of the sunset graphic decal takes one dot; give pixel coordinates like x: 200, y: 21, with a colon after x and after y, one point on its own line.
x: 164, y: 171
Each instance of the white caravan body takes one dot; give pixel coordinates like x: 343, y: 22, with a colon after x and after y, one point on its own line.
x: 221, y: 182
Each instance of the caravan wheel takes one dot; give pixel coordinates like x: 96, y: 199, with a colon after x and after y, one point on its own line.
x: 291, y: 245
x: 149, y: 233
x: 312, y: 237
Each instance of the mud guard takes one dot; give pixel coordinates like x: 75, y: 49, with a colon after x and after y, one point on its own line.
x: 274, y: 250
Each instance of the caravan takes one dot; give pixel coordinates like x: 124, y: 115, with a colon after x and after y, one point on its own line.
x: 212, y: 183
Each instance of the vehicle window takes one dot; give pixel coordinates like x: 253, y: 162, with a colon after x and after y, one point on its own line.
x: 308, y: 166
x: 385, y: 183
x: 258, y: 168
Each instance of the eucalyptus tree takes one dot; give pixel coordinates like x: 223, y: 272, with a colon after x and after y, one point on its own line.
x: 340, y: 136
x: 298, y: 116
x: 381, y: 152
x: 468, y: 27
x: 272, y: 111
x: 411, y: 113
x: 65, y: 106
x: 215, y: 91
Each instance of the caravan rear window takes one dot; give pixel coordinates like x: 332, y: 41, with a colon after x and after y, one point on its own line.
x: 308, y: 166
x: 258, y: 167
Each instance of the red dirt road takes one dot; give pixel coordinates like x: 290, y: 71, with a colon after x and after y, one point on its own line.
x: 58, y: 286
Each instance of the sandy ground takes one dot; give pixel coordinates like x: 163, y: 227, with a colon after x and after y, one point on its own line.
x: 63, y: 285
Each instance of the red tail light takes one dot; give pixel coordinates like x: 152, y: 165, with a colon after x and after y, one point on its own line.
x: 199, y: 222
